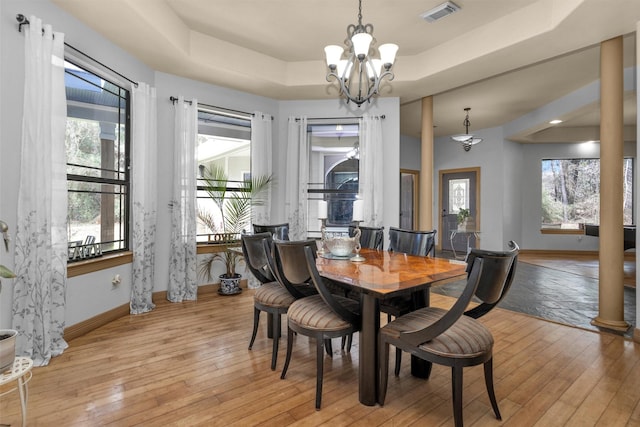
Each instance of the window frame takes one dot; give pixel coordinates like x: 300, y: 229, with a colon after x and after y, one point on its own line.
x: 125, y: 208
x: 318, y: 191
x: 580, y: 229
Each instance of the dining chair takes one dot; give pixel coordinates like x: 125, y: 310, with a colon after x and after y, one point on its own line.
x: 411, y: 242
x: 323, y: 316
x: 370, y: 237
x: 453, y: 337
x: 278, y: 231
x: 270, y: 297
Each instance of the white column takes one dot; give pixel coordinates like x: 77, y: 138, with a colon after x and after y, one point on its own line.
x: 636, y: 331
x: 611, y: 280
x: 426, y: 166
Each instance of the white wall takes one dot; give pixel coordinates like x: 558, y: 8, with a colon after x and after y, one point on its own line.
x: 91, y: 294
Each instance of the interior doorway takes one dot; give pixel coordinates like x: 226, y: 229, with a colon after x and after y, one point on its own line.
x: 409, y: 202
x: 459, y: 189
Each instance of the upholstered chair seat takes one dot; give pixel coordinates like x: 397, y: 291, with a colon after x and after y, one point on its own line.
x: 273, y: 295
x: 313, y: 313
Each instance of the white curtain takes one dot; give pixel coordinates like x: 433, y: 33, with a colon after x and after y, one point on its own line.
x: 261, y: 162
x: 297, y: 177
x: 39, y: 290
x: 143, y: 196
x: 371, y: 167
x: 182, y: 263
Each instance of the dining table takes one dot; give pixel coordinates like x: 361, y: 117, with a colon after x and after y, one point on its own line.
x: 381, y: 276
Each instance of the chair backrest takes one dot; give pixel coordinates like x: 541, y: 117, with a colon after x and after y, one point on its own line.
x: 329, y: 298
x: 434, y: 329
x: 255, y: 255
x: 497, y: 276
x: 290, y: 264
x: 370, y: 237
x: 412, y: 242
x: 278, y: 231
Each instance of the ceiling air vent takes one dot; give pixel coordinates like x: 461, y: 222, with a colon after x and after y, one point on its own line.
x: 446, y: 8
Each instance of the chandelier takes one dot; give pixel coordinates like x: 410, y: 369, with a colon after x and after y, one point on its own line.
x: 359, y: 75
x: 466, y: 139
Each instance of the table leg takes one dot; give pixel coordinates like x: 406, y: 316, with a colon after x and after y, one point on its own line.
x: 368, y: 351
x: 22, y: 388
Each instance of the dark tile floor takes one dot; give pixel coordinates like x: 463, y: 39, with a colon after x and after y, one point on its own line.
x: 555, y: 295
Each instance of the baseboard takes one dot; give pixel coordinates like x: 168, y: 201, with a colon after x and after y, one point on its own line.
x: 561, y: 253
x: 86, y: 326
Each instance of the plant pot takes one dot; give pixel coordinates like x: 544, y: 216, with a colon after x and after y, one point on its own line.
x: 7, y: 348
x: 230, y: 285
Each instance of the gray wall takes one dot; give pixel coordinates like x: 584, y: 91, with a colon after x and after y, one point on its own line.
x: 92, y: 294
x: 510, y: 173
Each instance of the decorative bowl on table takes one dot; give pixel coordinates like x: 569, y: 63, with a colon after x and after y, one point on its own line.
x: 341, y: 246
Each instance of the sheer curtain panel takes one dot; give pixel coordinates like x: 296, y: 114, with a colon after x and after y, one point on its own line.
x: 371, y: 167
x: 182, y: 263
x: 297, y: 177
x: 261, y: 163
x: 41, y: 239
x: 143, y: 196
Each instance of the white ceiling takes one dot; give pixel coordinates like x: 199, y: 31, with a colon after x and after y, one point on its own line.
x: 502, y: 58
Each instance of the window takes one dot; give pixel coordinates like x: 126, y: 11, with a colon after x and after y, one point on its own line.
x: 334, y: 164
x: 571, y: 193
x: 224, y: 143
x: 97, y: 141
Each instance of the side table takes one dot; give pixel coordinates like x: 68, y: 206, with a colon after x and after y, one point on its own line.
x: 468, y: 233
x: 20, y: 372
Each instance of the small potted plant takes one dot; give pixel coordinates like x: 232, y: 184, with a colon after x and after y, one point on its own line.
x: 235, y: 207
x: 464, y: 219
x: 7, y: 336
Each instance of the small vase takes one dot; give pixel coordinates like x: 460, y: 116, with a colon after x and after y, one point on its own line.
x: 230, y: 285
x: 7, y: 348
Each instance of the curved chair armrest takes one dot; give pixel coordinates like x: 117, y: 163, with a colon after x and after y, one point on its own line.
x: 344, y: 313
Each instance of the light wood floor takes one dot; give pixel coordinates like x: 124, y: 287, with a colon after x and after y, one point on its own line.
x: 188, y: 365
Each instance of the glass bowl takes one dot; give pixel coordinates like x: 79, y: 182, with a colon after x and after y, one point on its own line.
x: 341, y: 246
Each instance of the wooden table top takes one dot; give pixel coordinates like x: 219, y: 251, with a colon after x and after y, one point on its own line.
x: 387, y: 273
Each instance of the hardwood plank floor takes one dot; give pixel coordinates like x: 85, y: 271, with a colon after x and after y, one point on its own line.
x: 187, y: 364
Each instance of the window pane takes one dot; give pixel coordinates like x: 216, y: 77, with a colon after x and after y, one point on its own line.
x: 224, y: 142
x: 334, y: 164
x: 458, y: 195
x: 97, y: 210
x: 97, y: 175
x: 571, y: 192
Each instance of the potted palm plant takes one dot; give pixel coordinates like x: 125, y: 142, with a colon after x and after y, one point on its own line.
x: 7, y: 336
x: 234, y: 204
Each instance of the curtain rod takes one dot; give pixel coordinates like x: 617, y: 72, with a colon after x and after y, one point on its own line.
x: 337, y: 118
x: 173, y: 99
x: 22, y: 20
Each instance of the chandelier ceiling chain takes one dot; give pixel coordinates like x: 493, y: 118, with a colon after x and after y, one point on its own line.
x: 359, y: 75
x: 466, y: 139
